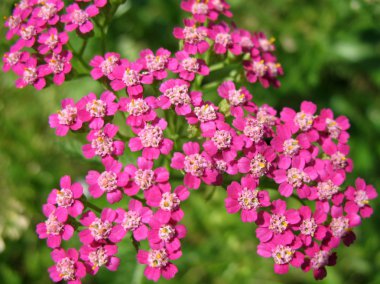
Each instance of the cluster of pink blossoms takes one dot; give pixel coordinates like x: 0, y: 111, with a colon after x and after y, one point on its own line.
x: 40, y: 54
x: 232, y: 143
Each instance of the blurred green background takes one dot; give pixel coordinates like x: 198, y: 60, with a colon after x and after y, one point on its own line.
x: 330, y: 51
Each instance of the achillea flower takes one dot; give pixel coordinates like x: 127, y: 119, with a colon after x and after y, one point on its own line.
x: 59, y: 65
x: 67, y: 266
x: 278, y: 224
x: 338, y: 155
x: 102, y: 143
x: 55, y: 228
x: 245, y: 39
x: 151, y: 140
x: 27, y: 35
x: 247, y: 198
x: 53, y: 41
x: 66, y: 119
x: 300, y: 121
x: 188, y: 66
x: 133, y: 220
x: 104, y: 66
x: 145, y: 178
x: 94, y: 110
x: 99, y: 256
x: 263, y: 43
x: 158, y: 263
x: 68, y: 197
x: 202, y: 10
x: 108, y: 182
x: 156, y: 64
x: 14, y: 60
x: 311, y: 225
x: 253, y: 131
x: 197, y: 166
x: 76, y: 18
x: 336, y: 129
x: 30, y: 74
x: 47, y: 13
x: 223, y: 40
x: 318, y: 257
x: 140, y: 110
x: 194, y: 37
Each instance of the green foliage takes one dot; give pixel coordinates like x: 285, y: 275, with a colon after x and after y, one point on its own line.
x: 330, y: 53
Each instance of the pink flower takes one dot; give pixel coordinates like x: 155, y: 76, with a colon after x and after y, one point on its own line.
x: 108, y: 182
x: 201, y: 10
x: 223, y: 41
x: 318, y: 258
x: 67, y: 267
x: 133, y: 220
x: 54, y: 229
x: 104, y: 66
x: 194, y: 37
x: 358, y: 198
x: 300, y: 121
x: 264, y: 44
x: 197, y: 166
x: 297, y: 177
x: 102, y: 143
x: 158, y: 263
x: 245, y: 39
x: 47, y: 13
x: 336, y: 129
x: 95, y: 110
x: 52, y: 41
x: 99, y: 230
x: 68, y: 197
x: 13, y: 23
x: 218, y: 7
x: 30, y: 74
x: 14, y: 60
x: 59, y: 65
x: 311, y: 225
x: 176, y: 92
x: 76, y: 18
x: 188, y: 66
x: 145, y: 178
x: 338, y: 155
x: 129, y: 75
x: 98, y: 3
x: 140, y: 110
x: 98, y: 256
x: 151, y: 140
x: 282, y: 254
x: 165, y: 233
x: 247, y: 198
x: 65, y: 119
x: 168, y: 202
x: 156, y: 64
x: 278, y: 224
x: 239, y: 100
x: 27, y: 35
x: 253, y: 131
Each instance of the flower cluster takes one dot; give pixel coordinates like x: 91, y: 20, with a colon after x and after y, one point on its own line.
x: 178, y: 136
x: 42, y: 52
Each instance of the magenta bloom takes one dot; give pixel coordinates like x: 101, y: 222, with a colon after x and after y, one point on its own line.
x: 66, y: 119
x: 158, y: 263
x: 99, y: 230
x: 27, y: 35
x: 104, y: 66
x: 52, y: 41
x: 95, y: 110
x: 318, y: 259
x: 247, y: 198
x: 278, y: 224
x: 13, y: 23
x: 253, y: 130
x: 201, y: 10
x: 14, y: 60
x: 263, y: 43
x: 156, y: 64
x: 282, y: 254
x: 145, y: 178
x: 140, y: 110
x: 311, y: 225
x: 47, y: 13
x: 68, y: 197
x: 109, y: 181
x: 300, y: 121
x: 297, y: 177
x: 129, y: 75
x: 133, y: 220
x: 198, y: 166
x: 338, y: 155
x: 165, y: 233
x: 98, y: 3
x: 176, y: 92
x: 223, y: 41
x: 67, y: 267
x: 336, y: 129
x: 30, y: 74
x: 239, y: 100
x: 194, y: 37
x: 245, y: 39
x: 59, y: 65
x: 358, y: 198
x: 54, y: 229
x: 188, y: 66
x: 151, y: 140
x: 98, y: 256
x: 102, y: 143
x: 76, y: 18
x: 168, y: 202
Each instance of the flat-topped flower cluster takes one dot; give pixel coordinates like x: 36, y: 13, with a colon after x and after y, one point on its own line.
x: 225, y: 140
